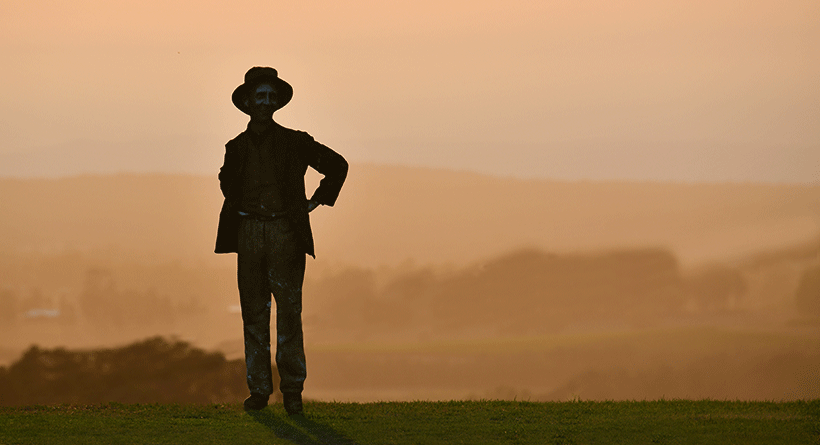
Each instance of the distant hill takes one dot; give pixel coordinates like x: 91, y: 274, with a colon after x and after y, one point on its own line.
x: 386, y: 215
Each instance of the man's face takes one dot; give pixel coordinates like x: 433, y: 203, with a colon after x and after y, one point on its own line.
x: 262, y: 101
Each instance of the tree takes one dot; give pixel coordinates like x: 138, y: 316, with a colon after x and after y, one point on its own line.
x: 151, y: 371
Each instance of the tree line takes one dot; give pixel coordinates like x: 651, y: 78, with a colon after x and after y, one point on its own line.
x: 155, y: 370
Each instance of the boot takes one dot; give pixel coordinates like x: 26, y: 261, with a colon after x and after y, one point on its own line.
x: 292, y: 402
x: 256, y: 402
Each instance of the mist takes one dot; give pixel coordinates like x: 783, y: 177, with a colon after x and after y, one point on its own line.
x: 433, y: 284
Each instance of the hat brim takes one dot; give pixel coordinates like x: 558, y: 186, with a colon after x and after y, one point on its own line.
x: 284, y: 92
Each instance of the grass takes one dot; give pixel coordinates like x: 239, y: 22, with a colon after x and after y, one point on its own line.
x: 457, y: 422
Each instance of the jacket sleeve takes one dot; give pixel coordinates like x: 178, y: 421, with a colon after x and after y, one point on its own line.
x: 330, y: 164
x: 228, y: 229
x: 229, y: 172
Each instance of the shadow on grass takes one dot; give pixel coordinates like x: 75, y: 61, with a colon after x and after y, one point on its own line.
x: 299, y: 429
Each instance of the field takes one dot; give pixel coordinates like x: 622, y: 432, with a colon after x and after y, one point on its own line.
x: 486, y: 422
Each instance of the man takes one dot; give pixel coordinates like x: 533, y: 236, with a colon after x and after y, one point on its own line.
x: 264, y: 219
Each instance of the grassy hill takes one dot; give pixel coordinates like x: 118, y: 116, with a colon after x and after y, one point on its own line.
x: 484, y: 422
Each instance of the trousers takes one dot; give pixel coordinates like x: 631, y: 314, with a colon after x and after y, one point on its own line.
x: 270, y: 263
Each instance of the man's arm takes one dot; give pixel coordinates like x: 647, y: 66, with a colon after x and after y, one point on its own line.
x: 228, y: 172
x: 332, y: 165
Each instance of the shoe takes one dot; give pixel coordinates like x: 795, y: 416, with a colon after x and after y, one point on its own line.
x: 292, y: 402
x: 256, y: 402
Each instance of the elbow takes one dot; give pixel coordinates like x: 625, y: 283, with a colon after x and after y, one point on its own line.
x: 343, y: 168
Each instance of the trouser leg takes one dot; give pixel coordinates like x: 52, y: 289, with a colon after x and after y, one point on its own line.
x: 270, y: 262
x: 286, y: 273
x: 255, y: 301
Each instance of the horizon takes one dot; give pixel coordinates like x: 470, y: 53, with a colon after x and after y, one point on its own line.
x: 370, y: 224
x: 444, y: 169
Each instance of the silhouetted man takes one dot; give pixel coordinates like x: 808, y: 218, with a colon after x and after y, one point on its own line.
x: 264, y: 219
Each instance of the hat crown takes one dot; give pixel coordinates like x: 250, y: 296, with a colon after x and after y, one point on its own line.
x: 259, y: 72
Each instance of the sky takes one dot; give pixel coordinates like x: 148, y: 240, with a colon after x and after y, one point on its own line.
x: 647, y: 90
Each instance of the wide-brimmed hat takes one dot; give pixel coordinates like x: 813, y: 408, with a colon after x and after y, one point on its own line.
x: 257, y: 75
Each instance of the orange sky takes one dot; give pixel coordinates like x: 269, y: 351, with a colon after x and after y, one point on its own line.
x: 642, y: 89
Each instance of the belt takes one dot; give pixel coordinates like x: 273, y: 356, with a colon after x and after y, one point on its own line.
x: 258, y: 217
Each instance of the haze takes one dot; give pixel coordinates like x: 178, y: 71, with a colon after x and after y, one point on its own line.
x: 640, y: 90
x: 547, y: 200
x: 433, y: 284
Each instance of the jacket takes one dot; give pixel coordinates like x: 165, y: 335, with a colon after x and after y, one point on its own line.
x: 296, y: 150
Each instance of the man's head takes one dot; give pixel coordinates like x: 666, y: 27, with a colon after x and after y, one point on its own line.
x: 262, y: 93
x: 261, y: 101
